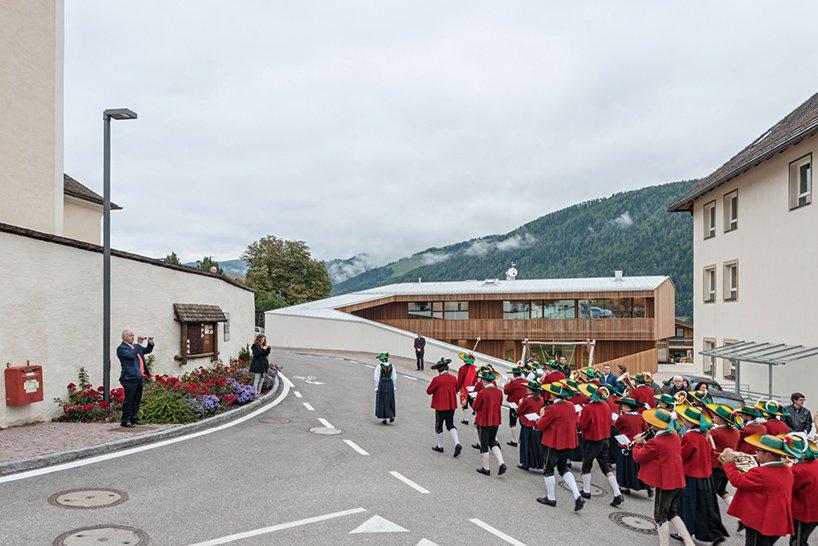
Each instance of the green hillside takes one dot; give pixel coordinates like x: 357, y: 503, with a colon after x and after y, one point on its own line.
x: 631, y: 231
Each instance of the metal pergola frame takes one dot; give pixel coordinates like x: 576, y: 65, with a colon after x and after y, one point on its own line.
x: 589, y: 343
x: 770, y: 354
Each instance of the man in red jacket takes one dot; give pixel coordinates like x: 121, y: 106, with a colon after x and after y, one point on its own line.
x: 725, y: 433
x: 466, y: 377
x: 443, y: 390
x: 558, y: 423
x: 804, y: 488
x: 595, y: 421
x: 515, y: 390
x: 660, y: 466
x: 763, y: 499
x: 487, y: 404
x: 644, y: 391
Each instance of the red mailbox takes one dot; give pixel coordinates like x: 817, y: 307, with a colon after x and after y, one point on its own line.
x: 24, y: 384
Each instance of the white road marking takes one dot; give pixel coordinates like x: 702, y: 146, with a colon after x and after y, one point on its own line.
x: 409, y: 377
x: 356, y: 447
x: 308, y: 406
x: 497, y: 533
x: 131, y: 451
x: 286, y: 381
x: 426, y: 542
x: 297, y: 394
x: 279, y: 527
x: 325, y: 422
x: 377, y: 524
x: 409, y: 482
x: 369, y: 366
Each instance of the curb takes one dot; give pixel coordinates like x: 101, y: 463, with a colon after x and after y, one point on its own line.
x: 50, y: 459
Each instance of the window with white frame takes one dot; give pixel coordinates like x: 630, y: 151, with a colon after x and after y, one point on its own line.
x: 709, y: 284
x: 709, y: 361
x: 801, y: 182
x: 709, y: 220
x: 731, y: 281
x: 731, y: 211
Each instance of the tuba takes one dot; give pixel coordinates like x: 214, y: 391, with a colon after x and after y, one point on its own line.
x: 744, y: 462
x: 681, y: 398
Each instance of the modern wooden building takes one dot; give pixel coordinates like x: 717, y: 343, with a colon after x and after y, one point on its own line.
x: 623, y: 316
x: 679, y: 348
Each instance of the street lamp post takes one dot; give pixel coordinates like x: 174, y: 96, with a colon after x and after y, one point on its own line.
x: 107, y: 116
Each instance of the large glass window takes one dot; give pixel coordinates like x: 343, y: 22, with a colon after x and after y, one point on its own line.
x: 620, y: 307
x: 516, y: 309
x: 559, y: 309
x: 595, y: 309
x: 420, y: 309
x: 536, y: 310
x: 437, y: 309
x: 638, y: 308
x: 456, y: 310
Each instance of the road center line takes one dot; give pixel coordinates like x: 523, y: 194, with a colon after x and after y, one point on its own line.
x: 356, y: 447
x: 308, y: 406
x: 409, y: 482
x: 499, y: 534
x: 325, y: 422
x: 279, y: 527
x: 297, y: 394
x: 409, y: 377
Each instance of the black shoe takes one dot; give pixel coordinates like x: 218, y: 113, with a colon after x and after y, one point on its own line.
x: 579, y: 504
x: 740, y: 527
x: 512, y: 444
x: 136, y: 422
x: 464, y: 422
x: 457, y: 449
x: 391, y: 419
x: 546, y: 501
x: 650, y: 492
x: 502, y: 469
x: 718, y: 541
x: 384, y: 421
x: 625, y: 490
x: 438, y: 449
x: 617, y: 500
x: 585, y: 495
x: 476, y: 446
x: 484, y: 472
x: 126, y: 425
x: 522, y: 467
x: 675, y: 536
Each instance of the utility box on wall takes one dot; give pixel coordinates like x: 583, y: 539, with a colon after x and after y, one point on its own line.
x: 24, y: 384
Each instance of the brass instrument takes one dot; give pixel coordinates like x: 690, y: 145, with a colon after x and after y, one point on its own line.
x: 626, y: 379
x: 744, y: 462
x: 647, y: 435
x: 681, y: 397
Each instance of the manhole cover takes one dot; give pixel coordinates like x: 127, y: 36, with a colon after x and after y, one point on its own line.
x: 634, y: 522
x: 88, y: 498
x: 596, y: 491
x: 326, y: 431
x: 273, y: 420
x: 103, y: 534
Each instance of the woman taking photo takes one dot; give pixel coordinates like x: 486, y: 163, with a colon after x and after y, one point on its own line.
x: 260, y: 364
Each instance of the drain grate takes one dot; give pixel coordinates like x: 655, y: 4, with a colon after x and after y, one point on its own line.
x: 325, y: 431
x: 273, y: 420
x: 634, y: 522
x: 596, y: 491
x: 103, y: 534
x: 87, y: 499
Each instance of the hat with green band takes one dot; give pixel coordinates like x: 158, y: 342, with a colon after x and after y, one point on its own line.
x: 725, y: 412
x: 595, y: 393
x: 487, y: 374
x: 773, y: 444
x: 383, y: 357
x: 468, y: 358
x: 643, y: 378
x: 442, y: 364
x: 570, y: 385
x: 694, y: 416
x: 557, y: 389
x: 771, y: 408
x: 666, y: 399
x: 752, y: 411
x: 661, y: 419
x: 534, y: 386
x: 630, y: 402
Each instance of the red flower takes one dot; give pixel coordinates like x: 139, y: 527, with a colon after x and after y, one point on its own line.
x: 72, y: 387
x: 103, y: 404
x: 87, y: 407
x: 229, y: 398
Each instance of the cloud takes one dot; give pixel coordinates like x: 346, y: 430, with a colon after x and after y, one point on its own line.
x: 342, y: 270
x: 430, y: 258
x: 482, y: 246
x: 479, y: 248
x: 623, y: 221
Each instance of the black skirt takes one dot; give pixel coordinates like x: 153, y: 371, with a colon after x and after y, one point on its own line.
x: 534, y: 457
x: 627, y: 471
x: 525, y: 434
x: 385, y: 399
x: 699, y: 510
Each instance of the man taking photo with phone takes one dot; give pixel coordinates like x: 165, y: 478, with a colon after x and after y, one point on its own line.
x: 134, y: 371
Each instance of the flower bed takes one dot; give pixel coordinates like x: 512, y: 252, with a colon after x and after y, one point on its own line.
x: 195, y: 395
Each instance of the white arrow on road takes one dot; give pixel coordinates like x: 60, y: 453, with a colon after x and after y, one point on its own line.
x: 309, y: 379
x: 426, y: 542
x: 377, y: 524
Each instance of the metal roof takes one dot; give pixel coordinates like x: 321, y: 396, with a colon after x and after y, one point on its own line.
x: 774, y: 354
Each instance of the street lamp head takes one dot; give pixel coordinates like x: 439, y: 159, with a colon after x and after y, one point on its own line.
x: 119, y: 113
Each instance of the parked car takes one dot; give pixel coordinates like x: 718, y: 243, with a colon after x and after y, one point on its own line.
x: 260, y: 330
x: 719, y: 395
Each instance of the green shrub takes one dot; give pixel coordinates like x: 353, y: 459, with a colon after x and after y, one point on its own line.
x: 245, y: 355
x: 162, y: 406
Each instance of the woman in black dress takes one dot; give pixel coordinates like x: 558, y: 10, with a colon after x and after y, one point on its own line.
x: 260, y: 363
x: 385, y: 380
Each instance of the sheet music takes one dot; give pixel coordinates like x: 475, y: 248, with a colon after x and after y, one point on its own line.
x: 622, y: 439
x: 532, y: 416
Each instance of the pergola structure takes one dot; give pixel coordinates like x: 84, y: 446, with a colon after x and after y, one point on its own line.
x: 771, y: 354
x: 589, y: 344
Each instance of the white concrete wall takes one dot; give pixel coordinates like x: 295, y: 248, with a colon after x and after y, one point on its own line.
x: 296, y: 332
x: 51, y: 300
x: 778, y: 260
x: 83, y: 220
x: 31, y: 102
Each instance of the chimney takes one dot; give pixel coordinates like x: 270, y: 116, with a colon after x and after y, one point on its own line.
x: 618, y: 275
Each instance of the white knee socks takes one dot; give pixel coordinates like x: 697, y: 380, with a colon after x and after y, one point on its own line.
x: 485, y: 458
x: 728, y: 499
x: 586, y: 483
x: 550, y: 486
x: 439, y: 440
x: 664, y: 534
x: 497, y: 454
x: 515, y: 434
x: 614, y: 485
x: 453, y: 432
x: 572, y: 484
x: 682, y: 530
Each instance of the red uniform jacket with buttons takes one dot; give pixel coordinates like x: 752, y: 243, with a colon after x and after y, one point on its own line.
x: 805, y: 492
x: 462, y: 372
x: 595, y: 421
x: 443, y: 389
x: 529, y: 404
x: 559, y: 426
x: 776, y: 427
x: 516, y: 389
x: 696, y: 455
x: 749, y: 430
x: 763, y: 499
x: 645, y: 395
x: 487, y: 404
x: 723, y: 436
x: 660, y: 461
x: 630, y: 425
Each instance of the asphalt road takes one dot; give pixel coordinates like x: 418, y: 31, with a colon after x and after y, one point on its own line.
x: 276, y: 482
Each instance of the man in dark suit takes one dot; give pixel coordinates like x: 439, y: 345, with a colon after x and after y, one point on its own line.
x: 420, y: 349
x: 134, y: 369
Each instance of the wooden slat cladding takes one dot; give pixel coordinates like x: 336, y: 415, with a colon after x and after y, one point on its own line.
x: 609, y: 350
x: 665, y: 310
x: 485, y: 309
x: 541, y: 329
x: 644, y: 361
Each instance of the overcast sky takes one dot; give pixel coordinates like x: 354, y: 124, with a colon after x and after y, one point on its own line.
x: 389, y: 127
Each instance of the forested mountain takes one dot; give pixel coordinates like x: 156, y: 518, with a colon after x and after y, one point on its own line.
x: 631, y: 231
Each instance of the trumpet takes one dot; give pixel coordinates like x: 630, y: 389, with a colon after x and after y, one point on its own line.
x: 681, y: 397
x: 643, y: 436
x: 744, y: 462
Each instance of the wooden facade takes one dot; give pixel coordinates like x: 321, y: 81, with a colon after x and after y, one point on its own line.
x: 617, y: 333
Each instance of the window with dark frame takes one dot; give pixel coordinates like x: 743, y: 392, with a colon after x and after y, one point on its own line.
x: 201, y: 339
x: 800, y: 182
x: 731, y: 211
x: 516, y: 309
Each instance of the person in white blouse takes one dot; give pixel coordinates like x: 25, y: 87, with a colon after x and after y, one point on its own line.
x: 385, y: 382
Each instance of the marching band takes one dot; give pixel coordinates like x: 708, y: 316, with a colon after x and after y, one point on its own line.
x: 681, y: 450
